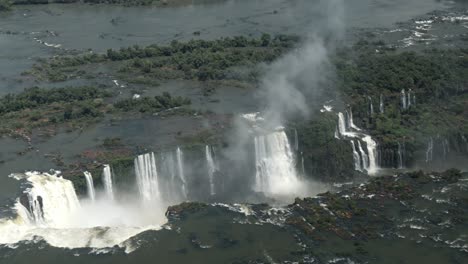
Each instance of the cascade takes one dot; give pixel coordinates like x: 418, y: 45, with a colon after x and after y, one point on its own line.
x: 430, y: 147
x: 371, y: 106
x: 52, y: 200
x: 368, y: 161
x: 341, y: 124
x: 210, y: 164
x: 302, y: 163
x: 107, y: 181
x: 356, y: 157
x: 381, y: 104
x: 180, y: 170
x: 400, y: 156
x: 147, y: 178
x: 408, y: 103
x: 351, y: 120
x: 90, y: 185
x: 364, y: 156
x: 403, y: 99
x: 275, y: 170
x: 372, y: 153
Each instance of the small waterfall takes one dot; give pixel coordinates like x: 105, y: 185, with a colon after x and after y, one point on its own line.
x: 351, y: 120
x: 147, y: 178
x: 180, y: 169
x: 429, y: 150
x: 210, y: 164
x: 372, y: 153
x: 445, y: 147
x: 371, y: 106
x: 107, y: 181
x: 341, y: 124
x: 275, y: 170
x: 408, y: 103
x: 51, y: 200
x: 381, y: 104
x: 302, y: 164
x: 90, y: 186
x: 356, y: 157
x: 364, y: 156
x: 400, y: 157
x: 403, y: 99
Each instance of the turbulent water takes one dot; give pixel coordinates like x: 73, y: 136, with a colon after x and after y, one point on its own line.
x: 275, y: 171
x: 53, y: 212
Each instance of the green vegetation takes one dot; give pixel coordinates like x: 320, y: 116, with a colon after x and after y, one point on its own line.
x: 74, y: 106
x: 148, y: 104
x: 437, y: 78
x: 194, y: 60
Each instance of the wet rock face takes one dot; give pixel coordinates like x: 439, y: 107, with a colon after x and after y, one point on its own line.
x: 423, y: 211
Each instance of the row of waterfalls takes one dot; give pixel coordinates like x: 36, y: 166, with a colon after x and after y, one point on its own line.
x: 407, y: 100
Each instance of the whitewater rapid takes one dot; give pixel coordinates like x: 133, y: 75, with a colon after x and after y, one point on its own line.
x: 52, y: 211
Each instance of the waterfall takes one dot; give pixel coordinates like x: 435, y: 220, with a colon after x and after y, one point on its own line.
x: 367, y: 160
x: 147, y: 178
x: 364, y: 156
x: 210, y: 164
x: 51, y: 201
x: 430, y: 147
x: 275, y: 170
x: 403, y: 100
x: 372, y: 153
x: 408, y: 103
x: 371, y: 106
x: 351, y: 120
x: 180, y: 169
x: 107, y: 181
x: 356, y: 158
x: 90, y: 186
x: 341, y: 124
x: 381, y: 104
x: 400, y: 157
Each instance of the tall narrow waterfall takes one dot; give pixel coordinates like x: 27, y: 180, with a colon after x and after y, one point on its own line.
x: 351, y: 120
x: 90, y: 186
x: 403, y: 99
x: 371, y: 106
x: 180, y: 169
x: 356, y: 158
x: 429, y: 150
x: 365, y: 157
x: 381, y: 104
x: 147, y: 178
x: 408, y: 98
x: 107, y: 181
x: 372, y: 153
x: 210, y: 164
x: 275, y: 172
x: 400, y: 156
